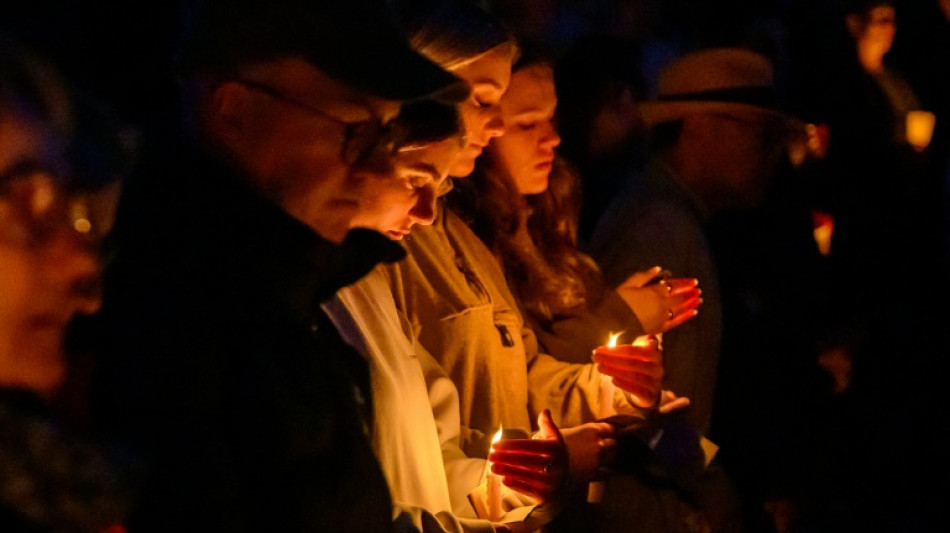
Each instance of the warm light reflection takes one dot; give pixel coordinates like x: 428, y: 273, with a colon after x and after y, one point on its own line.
x: 920, y: 128
x: 497, y: 436
x: 824, y: 228
x: 612, y: 343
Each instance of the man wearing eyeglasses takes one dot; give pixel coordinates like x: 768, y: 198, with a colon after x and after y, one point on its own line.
x: 222, y: 373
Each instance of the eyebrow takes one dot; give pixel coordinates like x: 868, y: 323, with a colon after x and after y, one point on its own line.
x: 427, y: 168
x: 487, y: 81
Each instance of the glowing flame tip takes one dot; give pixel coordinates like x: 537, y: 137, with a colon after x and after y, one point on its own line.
x: 613, y: 339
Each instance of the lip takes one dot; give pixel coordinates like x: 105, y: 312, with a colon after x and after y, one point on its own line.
x: 397, y: 234
x: 476, y: 148
x: 48, y: 321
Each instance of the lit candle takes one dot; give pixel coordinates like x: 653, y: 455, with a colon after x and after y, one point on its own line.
x: 607, y: 385
x: 495, y: 512
x: 920, y: 128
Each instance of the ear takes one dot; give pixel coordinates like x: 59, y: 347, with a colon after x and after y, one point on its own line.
x: 227, y: 109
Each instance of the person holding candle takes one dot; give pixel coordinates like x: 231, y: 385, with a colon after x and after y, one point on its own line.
x: 523, y: 203
x: 522, y: 200
x: 455, y: 297
x: 408, y: 388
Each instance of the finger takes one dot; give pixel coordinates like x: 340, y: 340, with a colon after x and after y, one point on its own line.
x: 547, y: 429
x: 647, y: 392
x: 532, y: 475
x: 679, y: 284
x: 683, y: 295
x: 540, y: 494
x: 527, y: 446
x: 687, y: 305
x: 604, y: 429
x: 535, y: 461
x: 673, y: 405
x: 608, y: 451
x: 628, y: 352
x: 640, y: 279
x: 620, y: 366
x: 679, y: 319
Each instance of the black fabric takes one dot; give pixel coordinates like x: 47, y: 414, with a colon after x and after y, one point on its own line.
x: 220, y: 370
x: 52, y: 479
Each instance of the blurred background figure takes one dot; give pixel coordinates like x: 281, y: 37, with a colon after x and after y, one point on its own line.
x: 599, y: 84
x: 886, y: 192
x: 717, y: 137
x: 59, y: 178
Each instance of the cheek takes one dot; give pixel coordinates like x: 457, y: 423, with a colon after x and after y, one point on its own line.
x: 385, y: 205
x: 17, y: 282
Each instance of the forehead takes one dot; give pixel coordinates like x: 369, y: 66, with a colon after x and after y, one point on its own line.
x: 433, y: 157
x: 881, y: 14
x: 490, y: 70
x: 298, y: 78
x: 23, y: 137
x: 531, y: 89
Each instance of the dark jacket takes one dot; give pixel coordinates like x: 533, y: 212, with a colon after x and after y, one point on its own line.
x: 220, y: 370
x: 52, y: 479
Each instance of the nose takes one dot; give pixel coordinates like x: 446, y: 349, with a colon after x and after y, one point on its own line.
x: 495, y: 127
x: 551, y: 138
x: 71, y: 268
x: 423, y: 212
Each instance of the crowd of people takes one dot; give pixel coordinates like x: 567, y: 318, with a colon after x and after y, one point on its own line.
x: 462, y: 266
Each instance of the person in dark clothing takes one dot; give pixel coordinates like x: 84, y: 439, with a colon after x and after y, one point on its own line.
x: 219, y: 369
x: 54, y: 208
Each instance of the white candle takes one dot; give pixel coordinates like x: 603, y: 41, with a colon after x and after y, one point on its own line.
x: 495, y: 512
x: 607, y: 385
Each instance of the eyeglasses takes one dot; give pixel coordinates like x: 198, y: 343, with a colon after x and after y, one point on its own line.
x: 34, y: 206
x: 360, y: 138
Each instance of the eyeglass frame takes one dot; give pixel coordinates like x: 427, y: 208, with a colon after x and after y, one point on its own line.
x: 360, y: 139
x: 71, y: 210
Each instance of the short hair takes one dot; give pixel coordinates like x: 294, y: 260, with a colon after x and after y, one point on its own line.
x: 425, y: 122
x: 96, y: 149
x: 28, y: 81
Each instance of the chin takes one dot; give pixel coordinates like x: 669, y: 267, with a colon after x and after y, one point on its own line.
x: 537, y: 186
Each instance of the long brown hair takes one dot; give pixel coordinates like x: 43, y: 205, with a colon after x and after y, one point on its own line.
x: 533, y: 236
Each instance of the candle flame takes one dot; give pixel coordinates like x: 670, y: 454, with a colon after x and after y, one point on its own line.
x: 612, y: 343
x: 497, y: 436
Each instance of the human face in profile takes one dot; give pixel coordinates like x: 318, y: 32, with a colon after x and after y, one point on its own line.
x: 526, y: 151
x: 392, y: 206
x: 306, y: 140
x: 488, y: 77
x: 48, y: 270
x: 873, y: 33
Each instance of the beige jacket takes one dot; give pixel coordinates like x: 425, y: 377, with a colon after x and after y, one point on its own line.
x: 415, y: 413
x: 454, y: 294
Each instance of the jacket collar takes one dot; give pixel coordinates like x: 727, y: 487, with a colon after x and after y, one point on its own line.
x: 215, y: 229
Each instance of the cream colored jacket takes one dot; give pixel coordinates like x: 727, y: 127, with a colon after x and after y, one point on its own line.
x: 454, y: 294
x: 416, y: 424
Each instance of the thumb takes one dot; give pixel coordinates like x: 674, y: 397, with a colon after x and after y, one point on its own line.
x: 547, y: 429
x: 640, y: 279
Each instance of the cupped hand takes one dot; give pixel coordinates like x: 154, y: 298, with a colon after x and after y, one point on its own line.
x: 636, y: 368
x: 537, y: 466
x: 663, y: 305
x: 589, y: 446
